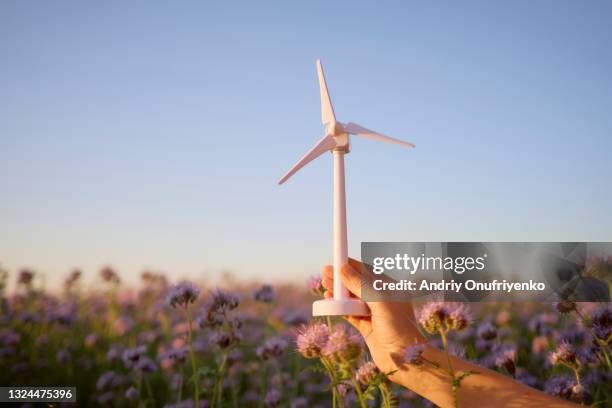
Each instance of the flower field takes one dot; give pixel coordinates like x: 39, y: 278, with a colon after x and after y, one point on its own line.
x: 184, y: 345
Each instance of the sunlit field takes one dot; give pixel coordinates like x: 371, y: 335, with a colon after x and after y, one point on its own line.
x: 178, y: 344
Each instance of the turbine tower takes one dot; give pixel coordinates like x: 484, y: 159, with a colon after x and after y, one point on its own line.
x: 336, y: 140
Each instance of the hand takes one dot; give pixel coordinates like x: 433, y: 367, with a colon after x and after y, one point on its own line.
x: 388, y: 330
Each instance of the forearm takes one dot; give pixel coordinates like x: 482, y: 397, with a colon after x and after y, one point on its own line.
x: 486, y: 388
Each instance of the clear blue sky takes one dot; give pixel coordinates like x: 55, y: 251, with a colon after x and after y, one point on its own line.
x: 152, y: 134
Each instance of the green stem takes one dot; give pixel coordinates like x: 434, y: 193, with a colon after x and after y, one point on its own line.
x: 149, y: 390
x: 362, y: 401
x: 139, y: 389
x: 296, y: 369
x: 194, y: 366
x: 451, y: 371
x: 219, y: 382
x: 383, y: 395
x: 335, y: 393
x: 180, y: 386
x: 264, y: 384
x: 334, y: 397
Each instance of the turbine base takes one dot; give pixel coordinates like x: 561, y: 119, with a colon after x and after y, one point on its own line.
x: 340, y: 307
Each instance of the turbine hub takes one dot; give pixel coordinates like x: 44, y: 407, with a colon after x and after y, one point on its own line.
x: 335, y: 129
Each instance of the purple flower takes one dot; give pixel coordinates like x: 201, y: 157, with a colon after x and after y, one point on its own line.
x: 572, y: 335
x: 273, y: 347
x: 602, y: 333
x: 483, y: 346
x: 315, y: 284
x: 587, y: 355
x: 295, y: 318
x: 367, y: 372
x: 272, y: 398
x: 487, y: 331
x: 145, y: 365
x: 62, y: 356
x: 221, y: 339
x: 343, y: 388
x: 564, y: 306
x: 414, y: 354
x: 131, y: 356
x: 436, y: 316
x: 25, y: 277
x: 183, y: 294
x: 105, y: 380
x: 459, y: 316
x: 431, y: 316
x: 223, y: 301
x: 108, y: 274
x: 564, y: 354
x: 264, y: 294
x: 560, y: 386
x: 504, y: 356
x: 311, y: 339
x: 601, y: 319
x: 173, y: 356
x: 342, y: 346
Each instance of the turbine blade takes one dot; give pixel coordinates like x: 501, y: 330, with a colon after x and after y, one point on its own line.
x: 325, y: 144
x: 327, y: 110
x: 357, y: 130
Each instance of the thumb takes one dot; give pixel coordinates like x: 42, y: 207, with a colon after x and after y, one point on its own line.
x: 351, y: 279
x: 353, y: 276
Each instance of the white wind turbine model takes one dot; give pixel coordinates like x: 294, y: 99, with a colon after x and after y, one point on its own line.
x: 336, y: 140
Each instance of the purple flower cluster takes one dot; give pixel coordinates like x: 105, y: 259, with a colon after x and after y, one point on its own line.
x: 565, y: 355
x: 342, y: 346
x: 311, y: 339
x: 441, y: 316
x: 487, y: 331
x: 315, y: 284
x: 601, y: 319
x: 133, y: 355
x: 25, y: 277
x: 414, y: 354
x: 108, y: 274
x: 367, y: 373
x: 264, y: 294
x: 273, y: 347
x: 183, y: 294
